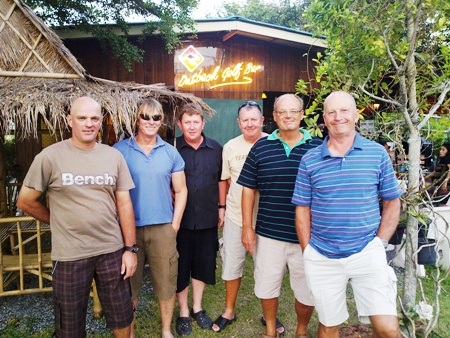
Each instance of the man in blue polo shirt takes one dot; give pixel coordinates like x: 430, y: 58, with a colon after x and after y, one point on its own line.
x: 338, y: 221
x: 271, y: 168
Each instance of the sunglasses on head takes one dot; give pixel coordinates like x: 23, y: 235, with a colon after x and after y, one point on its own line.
x: 249, y: 103
x: 147, y: 117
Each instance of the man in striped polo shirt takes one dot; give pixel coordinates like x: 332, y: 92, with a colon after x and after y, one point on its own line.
x: 338, y: 221
x: 271, y: 168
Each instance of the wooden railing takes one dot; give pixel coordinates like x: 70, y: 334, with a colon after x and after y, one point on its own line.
x: 28, y: 253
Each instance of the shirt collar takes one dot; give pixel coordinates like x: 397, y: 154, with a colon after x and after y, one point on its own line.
x: 133, y: 143
x: 357, y: 144
x: 205, y: 143
x: 306, y: 136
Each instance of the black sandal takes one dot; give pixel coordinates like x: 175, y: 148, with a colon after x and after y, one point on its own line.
x: 222, y: 322
x: 278, y: 325
x: 183, y: 326
x: 202, y: 319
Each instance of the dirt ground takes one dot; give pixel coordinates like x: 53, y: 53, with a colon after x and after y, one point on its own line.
x: 355, y: 331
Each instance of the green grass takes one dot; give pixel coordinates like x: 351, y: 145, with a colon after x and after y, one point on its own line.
x: 248, y: 311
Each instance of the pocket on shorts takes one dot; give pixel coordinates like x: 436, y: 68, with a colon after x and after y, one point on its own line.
x: 173, y: 268
x: 392, y: 284
x: 306, y: 251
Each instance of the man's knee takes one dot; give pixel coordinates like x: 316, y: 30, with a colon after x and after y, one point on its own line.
x: 385, y: 326
x: 328, y: 331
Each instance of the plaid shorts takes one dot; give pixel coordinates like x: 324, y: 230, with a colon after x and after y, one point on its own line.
x: 71, y: 286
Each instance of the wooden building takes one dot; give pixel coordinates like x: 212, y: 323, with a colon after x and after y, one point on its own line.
x: 230, y: 61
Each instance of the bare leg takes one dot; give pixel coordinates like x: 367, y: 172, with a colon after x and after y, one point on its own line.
x: 197, y: 295
x: 328, y: 331
x: 231, y: 289
x: 166, y: 307
x: 122, y: 333
x: 135, y: 304
x: 385, y: 326
x: 304, y: 313
x: 270, y: 308
x: 183, y: 301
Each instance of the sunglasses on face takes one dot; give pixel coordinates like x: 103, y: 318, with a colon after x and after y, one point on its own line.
x: 147, y: 117
x: 249, y: 103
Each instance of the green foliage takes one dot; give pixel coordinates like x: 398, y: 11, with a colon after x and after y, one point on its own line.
x: 170, y: 18
x: 396, y: 53
x: 282, y: 13
x: 368, y: 46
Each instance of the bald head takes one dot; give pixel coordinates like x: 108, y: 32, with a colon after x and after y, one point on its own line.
x: 339, y: 96
x: 85, y: 119
x: 84, y: 102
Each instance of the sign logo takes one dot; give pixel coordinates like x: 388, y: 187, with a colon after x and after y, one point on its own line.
x: 191, y: 58
x: 238, y: 74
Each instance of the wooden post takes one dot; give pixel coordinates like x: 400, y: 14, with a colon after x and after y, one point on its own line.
x: 2, y: 178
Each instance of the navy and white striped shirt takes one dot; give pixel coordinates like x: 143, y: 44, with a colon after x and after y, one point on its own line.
x: 271, y: 168
x: 343, y: 195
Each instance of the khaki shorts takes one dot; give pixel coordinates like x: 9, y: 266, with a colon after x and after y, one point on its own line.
x: 373, y: 281
x: 233, y: 252
x: 272, y: 260
x: 157, y: 246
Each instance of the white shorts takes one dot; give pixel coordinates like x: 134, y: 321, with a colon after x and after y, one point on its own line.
x: 272, y: 259
x: 373, y: 281
x: 232, y: 251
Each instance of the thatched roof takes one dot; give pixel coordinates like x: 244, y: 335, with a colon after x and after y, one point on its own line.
x: 39, y: 77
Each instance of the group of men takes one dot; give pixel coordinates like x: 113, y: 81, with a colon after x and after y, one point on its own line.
x: 293, y: 202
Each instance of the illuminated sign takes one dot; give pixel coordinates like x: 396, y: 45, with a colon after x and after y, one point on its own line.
x: 238, y: 74
x: 191, y: 58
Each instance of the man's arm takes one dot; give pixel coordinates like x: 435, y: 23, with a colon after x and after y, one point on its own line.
x: 29, y: 202
x: 248, y: 233
x: 128, y: 226
x: 222, y: 201
x: 180, y: 198
x: 389, y: 218
x: 303, y: 225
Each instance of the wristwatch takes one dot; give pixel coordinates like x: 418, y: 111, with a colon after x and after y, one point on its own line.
x: 222, y: 206
x: 385, y: 243
x: 134, y: 249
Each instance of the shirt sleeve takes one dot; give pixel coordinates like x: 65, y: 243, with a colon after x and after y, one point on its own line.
x: 226, y: 173
x: 302, y: 189
x: 38, y: 176
x: 178, y: 164
x: 249, y: 174
x: 124, y: 180
x: 389, y: 186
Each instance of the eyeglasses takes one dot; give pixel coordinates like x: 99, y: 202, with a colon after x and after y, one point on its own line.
x: 147, y: 117
x: 285, y: 112
x: 249, y: 103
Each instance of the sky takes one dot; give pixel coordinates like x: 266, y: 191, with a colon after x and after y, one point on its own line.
x: 205, y: 7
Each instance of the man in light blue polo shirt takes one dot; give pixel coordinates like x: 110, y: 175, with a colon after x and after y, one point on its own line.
x: 338, y: 222
x: 155, y: 167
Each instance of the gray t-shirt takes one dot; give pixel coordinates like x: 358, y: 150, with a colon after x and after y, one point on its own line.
x: 80, y: 185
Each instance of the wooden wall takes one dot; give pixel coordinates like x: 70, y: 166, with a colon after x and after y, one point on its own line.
x: 283, y: 65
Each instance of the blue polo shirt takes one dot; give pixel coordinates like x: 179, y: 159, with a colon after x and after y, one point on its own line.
x: 152, y: 176
x: 343, y: 195
x: 203, y: 172
x: 271, y: 167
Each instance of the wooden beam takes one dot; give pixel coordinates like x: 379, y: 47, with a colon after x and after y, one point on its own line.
x: 229, y: 35
x: 42, y: 75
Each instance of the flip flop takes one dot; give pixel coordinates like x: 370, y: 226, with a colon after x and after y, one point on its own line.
x: 222, y: 322
x: 278, y: 325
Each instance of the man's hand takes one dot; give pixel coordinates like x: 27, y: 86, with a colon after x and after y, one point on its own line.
x: 249, y: 239
x: 221, y: 218
x: 129, y: 264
